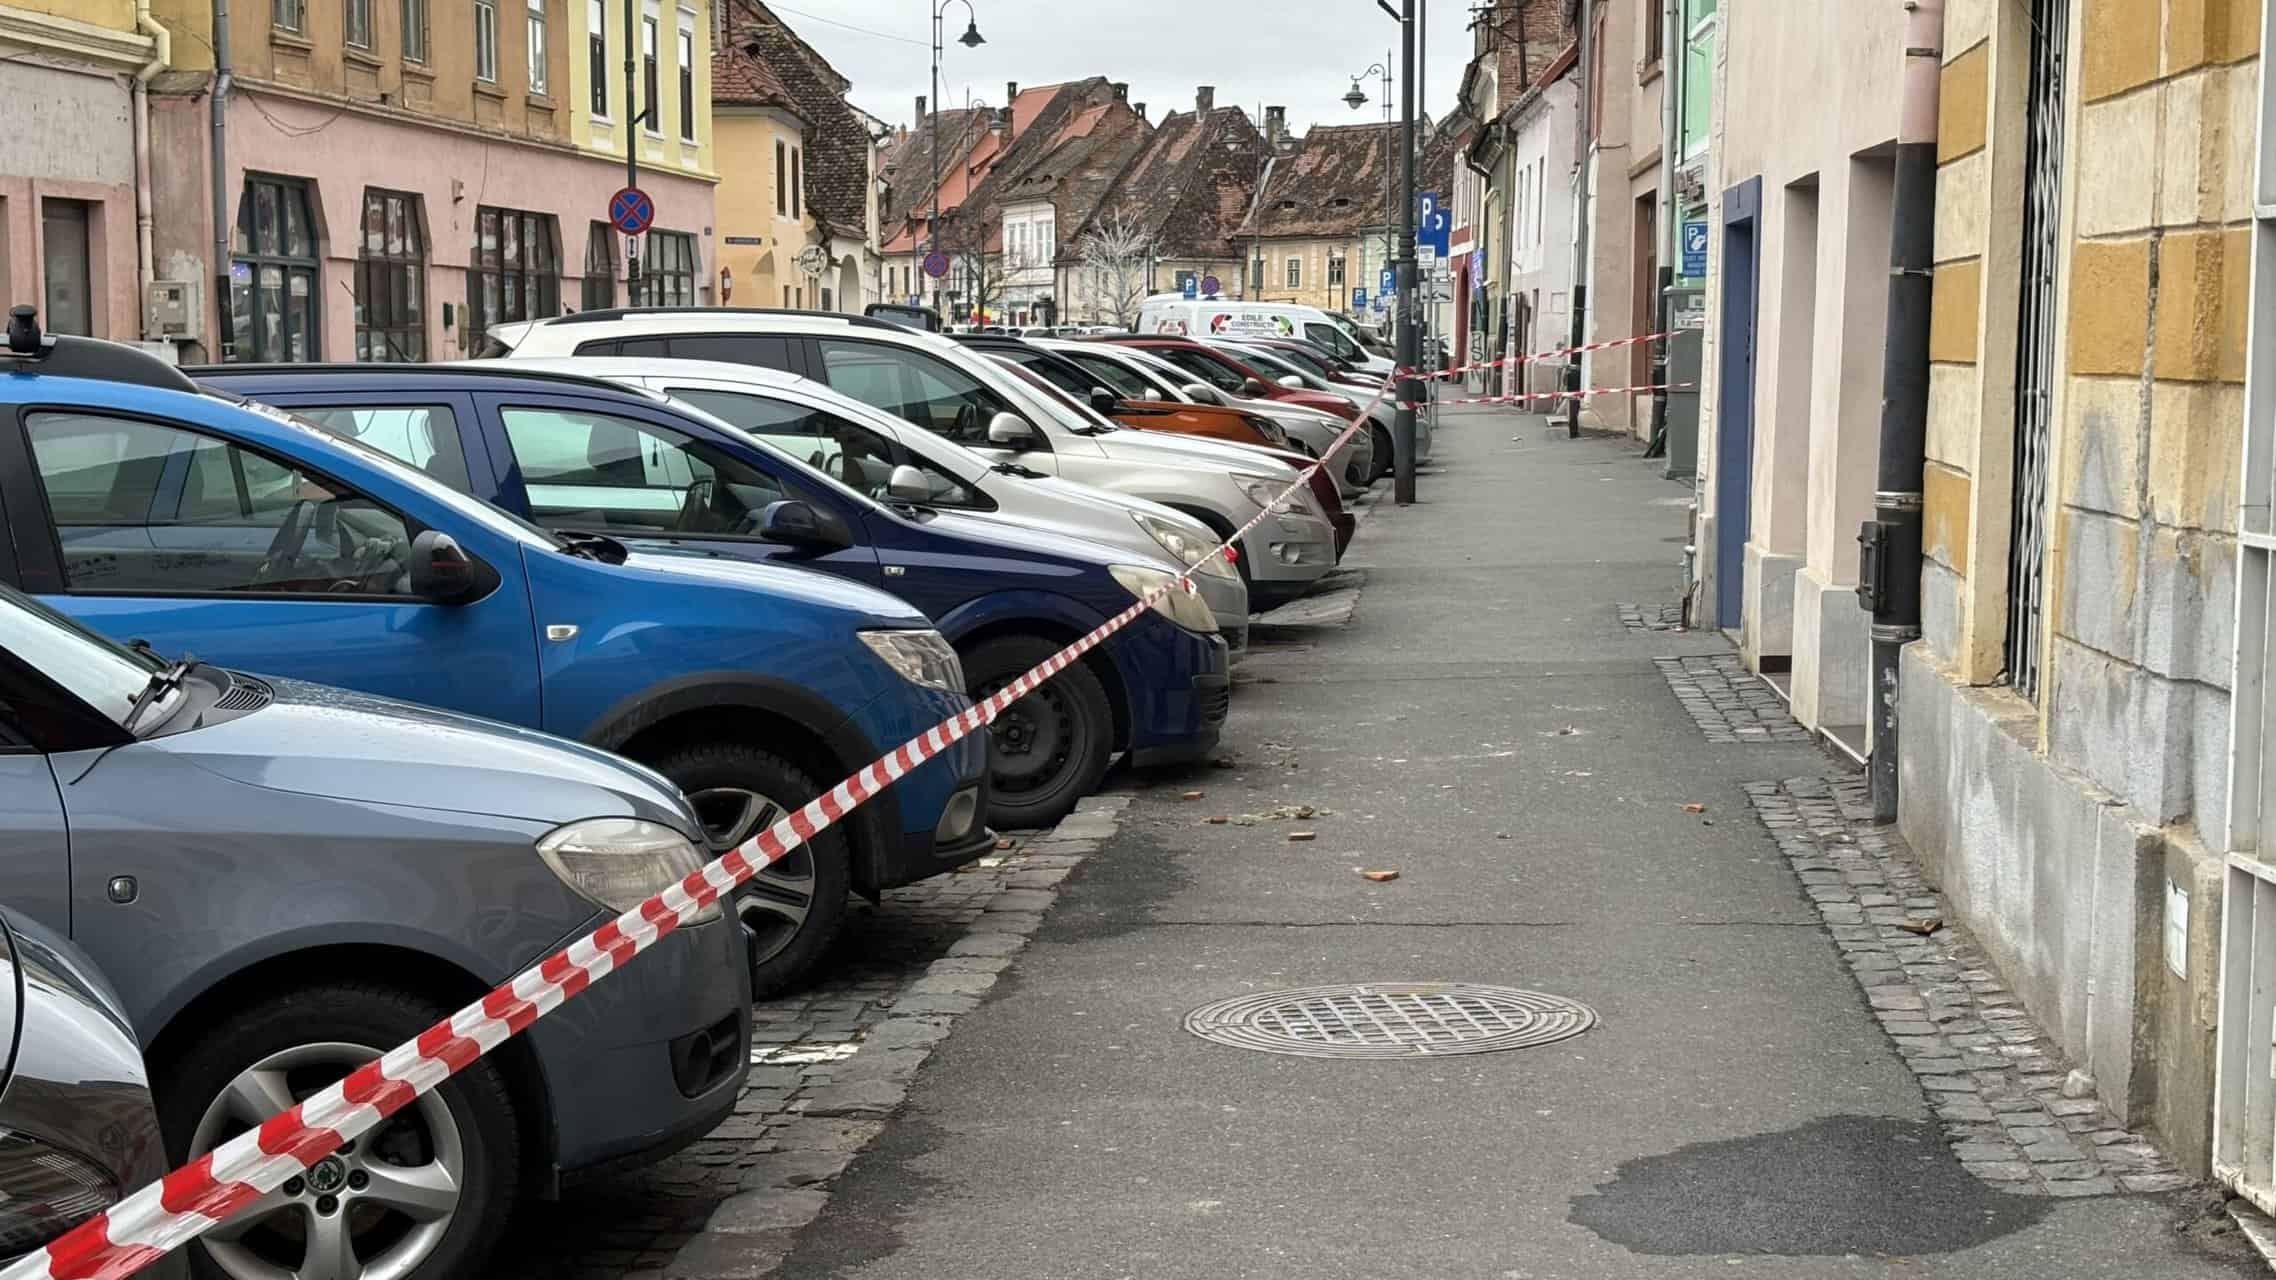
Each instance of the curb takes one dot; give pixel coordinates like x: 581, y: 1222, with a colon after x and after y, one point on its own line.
x: 833, y: 1115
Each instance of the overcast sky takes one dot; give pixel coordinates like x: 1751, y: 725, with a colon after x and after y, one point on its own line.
x: 1301, y: 54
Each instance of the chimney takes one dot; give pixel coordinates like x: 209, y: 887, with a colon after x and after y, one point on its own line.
x: 1204, y: 98
x: 1011, y: 92
x: 1122, y: 91
x: 920, y: 110
x: 1275, y: 124
x: 1141, y: 111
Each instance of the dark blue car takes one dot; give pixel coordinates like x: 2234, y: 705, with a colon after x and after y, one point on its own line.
x: 578, y: 455
x: 196, y: 521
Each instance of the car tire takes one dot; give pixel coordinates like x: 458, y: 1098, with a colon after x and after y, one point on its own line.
x: 1386, y: 452
x: 795, y: 907
x: 302, y: 1041
x: 1068, y: 719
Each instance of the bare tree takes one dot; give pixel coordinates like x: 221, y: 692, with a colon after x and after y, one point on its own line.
x: 1114, y: 256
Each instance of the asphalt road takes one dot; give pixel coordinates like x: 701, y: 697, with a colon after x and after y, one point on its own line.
x: 1485, y: 727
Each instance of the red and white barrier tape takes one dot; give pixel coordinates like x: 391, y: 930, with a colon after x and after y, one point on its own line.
x: 195, y: 1198
x: 1536, y: 357
x: 1419, y: 405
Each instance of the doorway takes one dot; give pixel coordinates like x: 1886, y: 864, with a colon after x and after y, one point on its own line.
x: 1734, y: 403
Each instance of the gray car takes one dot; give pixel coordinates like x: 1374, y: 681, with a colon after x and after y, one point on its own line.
x: 78, y: 1129
x: 284, y: 880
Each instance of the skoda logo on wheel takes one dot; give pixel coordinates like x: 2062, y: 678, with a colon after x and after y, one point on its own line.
x: 327, y: 1176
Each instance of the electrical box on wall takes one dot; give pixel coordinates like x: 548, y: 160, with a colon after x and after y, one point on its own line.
x: 173, y: 310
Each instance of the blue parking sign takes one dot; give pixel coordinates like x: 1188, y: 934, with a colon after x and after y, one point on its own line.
x: 1694, y: 249
x: 1190, y: 287
x: 1387, y: 284
x: 1359, y: 298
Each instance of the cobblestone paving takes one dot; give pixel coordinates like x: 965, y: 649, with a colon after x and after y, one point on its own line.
x: 1727, y: 702
x: 1647, y: 617
x: 2014, y: 1114
x: 829, y: 1065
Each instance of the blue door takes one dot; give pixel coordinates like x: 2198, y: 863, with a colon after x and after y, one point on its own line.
x: 192, y: 540
x: 1734, y: 408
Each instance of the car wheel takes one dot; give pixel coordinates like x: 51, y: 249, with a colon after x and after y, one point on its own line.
x: 793, y: 906
x: 1386, y: 455
x: 423, y: 1196
x: 1050, y: 748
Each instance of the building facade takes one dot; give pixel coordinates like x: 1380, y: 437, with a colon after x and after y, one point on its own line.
x: 386, y: 192
x: 1623, y: 177
x: 760, y: 138
x: 1538, y: 205
x: 1318, y: 224
x: 70, y: 169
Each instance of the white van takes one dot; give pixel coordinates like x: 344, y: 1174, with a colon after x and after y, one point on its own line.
x: 1217, y: 318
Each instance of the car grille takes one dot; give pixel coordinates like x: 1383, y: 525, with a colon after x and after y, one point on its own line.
x: 245, y: 694
x: 1216, y: 704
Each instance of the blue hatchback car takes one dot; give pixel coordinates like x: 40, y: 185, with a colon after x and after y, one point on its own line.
x: 581, y: 456
x: 196, y: 521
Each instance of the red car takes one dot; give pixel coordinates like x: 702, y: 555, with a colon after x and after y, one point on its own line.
x: 1231, y: 375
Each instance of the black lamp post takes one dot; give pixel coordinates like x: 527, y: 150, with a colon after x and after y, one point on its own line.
x: 1357, y: 98
x: 971, y: 39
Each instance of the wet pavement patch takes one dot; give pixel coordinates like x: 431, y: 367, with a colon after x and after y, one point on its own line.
x: 1866, y: 1185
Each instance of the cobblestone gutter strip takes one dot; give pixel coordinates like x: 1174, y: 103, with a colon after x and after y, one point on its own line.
x: 829, y: 1069
x: 2012, y: 1112
x: 1650, y: 617
x: 1727, y: 702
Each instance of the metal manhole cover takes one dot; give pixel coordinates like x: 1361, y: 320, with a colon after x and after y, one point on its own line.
x: 1391, y: 1020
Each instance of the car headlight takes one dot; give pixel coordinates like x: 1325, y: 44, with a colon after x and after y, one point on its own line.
x: 1266, y: 427
x: 922, y: 657
x: 1174, y: 603
x: 1266, y: 492
x: 1188, y: 549
x: 621, y: 862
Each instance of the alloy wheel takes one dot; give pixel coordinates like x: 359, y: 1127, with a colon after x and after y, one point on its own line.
x: 775, y: 902
x: 373, y: 1210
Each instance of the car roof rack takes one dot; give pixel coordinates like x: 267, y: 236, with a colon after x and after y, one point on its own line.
x: 60, y: 356
x: 600, y: 314
x: 451, y: 368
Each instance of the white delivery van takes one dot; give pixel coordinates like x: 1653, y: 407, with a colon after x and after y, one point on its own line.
x: 1216, y: 317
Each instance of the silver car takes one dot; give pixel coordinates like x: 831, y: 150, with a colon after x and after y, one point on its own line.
x: 952, y: 391
x: 945, y: 470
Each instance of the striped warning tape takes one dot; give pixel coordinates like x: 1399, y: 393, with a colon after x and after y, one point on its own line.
x: 1537, y: 356
x: 1419, y: 405
x: 195, y: 1198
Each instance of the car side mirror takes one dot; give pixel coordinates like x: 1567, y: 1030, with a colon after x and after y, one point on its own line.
x: 1203, y: 393
x: 441, y: 572
x: 1104, y: 401
x: 1255, y: 387
x: 1013, y: 432
x: 797, y: 524
x: 1292, y: 382
x: 907, y: 484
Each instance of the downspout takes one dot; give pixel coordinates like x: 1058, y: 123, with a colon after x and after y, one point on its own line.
x: 1582, y: 136
x: 216, y: 105
x: 161, y: 54
x: 1674, y: 44
x: 1889, y: 568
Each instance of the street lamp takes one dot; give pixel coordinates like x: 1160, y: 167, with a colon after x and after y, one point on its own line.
x: 1356, y: 99
x: 971, y: 39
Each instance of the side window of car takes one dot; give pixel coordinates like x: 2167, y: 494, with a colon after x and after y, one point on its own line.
x: 1117, y: 378
x: 861, y: 458
x: 1202, y: 367
x: 733, y: 348
x: 1334, y: 339
x: 932, y: 393
x: 606, y: 473
x: 426, y: 436
x: 146, y: 508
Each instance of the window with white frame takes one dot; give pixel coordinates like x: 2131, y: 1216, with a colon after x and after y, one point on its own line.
x: 355, y: 24
x: 597, y: 55
x: 1295, y: 273
x: 797, y: 180
x: 650, y: 83
x: 537, y: 76
x: 486, y: 41
x: 414, y: 30
x: 1335, y: 271
x: 288, y: 15
x: 687, y: 75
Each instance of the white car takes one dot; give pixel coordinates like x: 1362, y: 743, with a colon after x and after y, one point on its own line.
x: 952, y: 476
x: 1137, y: 374
x: 1215, y: 318
x: 941, y: 386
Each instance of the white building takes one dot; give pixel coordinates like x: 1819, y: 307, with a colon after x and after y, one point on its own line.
x: 1540, y: 204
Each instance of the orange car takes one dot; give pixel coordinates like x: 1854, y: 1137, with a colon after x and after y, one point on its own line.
x: 1217, y: 422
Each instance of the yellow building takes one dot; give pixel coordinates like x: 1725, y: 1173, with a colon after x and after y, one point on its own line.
x: 670, y: 116
x: 764, y: 225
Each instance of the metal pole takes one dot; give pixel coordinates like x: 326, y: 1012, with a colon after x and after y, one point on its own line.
x: 1580, y: 226
x: 633, y: 114
x: 1889, y: 584
x: 1673, y: 71
x: 932, y: 221
x: 1403, y: 425
x: 218, y: 109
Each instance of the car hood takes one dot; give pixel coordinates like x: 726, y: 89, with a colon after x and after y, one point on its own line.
x: 1196, y: 451
x: 316, y: 740
x: 1023, y: 539
x: 874, y: 608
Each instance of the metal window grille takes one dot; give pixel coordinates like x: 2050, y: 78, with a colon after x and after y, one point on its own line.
x: 2035, y: 348
x: 391, y: 279
x: 670, y: 269
x: 273, y: 302
x: 515, y: 273
x: 2244, y: 1106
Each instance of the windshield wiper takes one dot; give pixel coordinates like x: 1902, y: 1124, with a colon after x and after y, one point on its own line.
x: 161, y: 681
x: 592, y: 546
x: 1015, y: 469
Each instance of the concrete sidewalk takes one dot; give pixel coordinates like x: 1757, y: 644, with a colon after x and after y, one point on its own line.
x: 1486, y: 726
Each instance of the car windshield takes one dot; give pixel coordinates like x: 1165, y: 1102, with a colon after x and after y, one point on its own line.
x: 1056, y: 370
x: 1271, y: 362
x: 1092, y: 421
x: 99, y: 671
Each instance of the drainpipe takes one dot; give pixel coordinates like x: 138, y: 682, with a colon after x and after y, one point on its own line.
x: 1582, y: 127
x: 1673, y: 43
x: 161, y: 53
x: 1890, y: 557
x: 216, y: 105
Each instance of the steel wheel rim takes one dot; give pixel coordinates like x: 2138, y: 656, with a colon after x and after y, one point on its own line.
x: 776, y: 901
x: 1041, y: 725
x: 387, y: 1216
